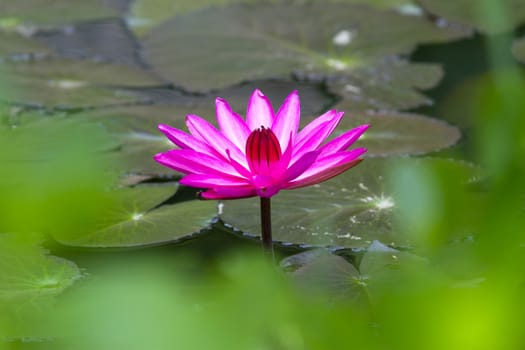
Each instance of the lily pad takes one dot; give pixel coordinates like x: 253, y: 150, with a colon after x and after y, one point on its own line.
x: 391, y: 85
x: 29, y: 272
x: 13, y: 45
x: 265, y: 40
x: 51, y: 171
x: 56, y: 12
x: 518, y: 49
x: 386, y: 270
x: 135, y: 127
x: 329, y: 275
x: 351, y: 210
x: 485, y: 15
x: 136, y: 152
x: 39, y: 138
x: 393, y: 133
x: 170, y: 106
x: 382, y: 270
x: 73, y: 84
x: 134, y: 219
x: 145, y: 14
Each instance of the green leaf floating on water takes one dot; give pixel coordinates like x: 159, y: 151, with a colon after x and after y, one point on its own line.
x: 381, y: 270
x: 387, y: 270
x: 247, y: 42
x: 135, y: 127
x: 485, y: 15
x: 389, y: 85
x: 393, y: 133
x: 68, y: 83
x: 171, y: 106
x: 350, y: 210
x: 320, y: 271
x: 55, y: 12
x: 14, y: 44
x: 51, y: 170
x: 133, y: 219
x: 29, y: 272
x: 145, y: 14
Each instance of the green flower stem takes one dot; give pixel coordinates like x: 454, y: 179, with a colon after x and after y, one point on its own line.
x: 266, y: 226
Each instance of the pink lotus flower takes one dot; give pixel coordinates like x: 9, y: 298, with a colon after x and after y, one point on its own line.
x: 261, y: 155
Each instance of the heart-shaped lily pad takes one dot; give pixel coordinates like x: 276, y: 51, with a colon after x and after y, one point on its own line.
x: 136, y: 152
x: 14, y: 45
x: 247, y: 42
x: 485, y: 15
x: 171, y: 106
x: 29, y: 272
x: 133, y: 219
x: 135, y: 127
x: 350, y: 210
x: 145, y: 14
x: 327, y: 274
x: 385, y: 270
x: 56, y: 12
x: 393, y: 133
x: 74, y: 84
x: 381, y: 270
x: 391, y: 85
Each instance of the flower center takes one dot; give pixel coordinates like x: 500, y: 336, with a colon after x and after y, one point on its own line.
x: 262, y: 150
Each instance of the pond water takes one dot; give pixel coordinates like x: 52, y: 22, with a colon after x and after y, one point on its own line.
x: 85, y: 84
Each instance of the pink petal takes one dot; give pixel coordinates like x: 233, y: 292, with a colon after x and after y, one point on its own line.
x: 191, y: 162
x: 259, y: 112
x: 185, y: 141
x: 301, y: 165
x: 240, y: 169
x: 324, y: 164
x: 315, y: 137
x: 229, y: 193
x: 209, y: 181
x: 314, y: 124
x: 324, y: 175
x: 280, y: 167
x: 206, y: 132
x: 286, y: 122
x: 342, y: 142
x: 232, y: 125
